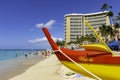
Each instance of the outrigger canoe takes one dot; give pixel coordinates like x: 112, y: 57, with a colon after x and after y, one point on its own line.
x: 100, y: 65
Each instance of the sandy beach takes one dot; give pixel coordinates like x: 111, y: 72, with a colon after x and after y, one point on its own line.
x: 49, y: 69
x: 14, y: 67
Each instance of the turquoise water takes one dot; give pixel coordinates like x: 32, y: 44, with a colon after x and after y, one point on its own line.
x: 13, y: 61
x: 7, y: 54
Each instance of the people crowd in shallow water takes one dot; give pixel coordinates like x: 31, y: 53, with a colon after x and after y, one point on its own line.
x: 46, y: 53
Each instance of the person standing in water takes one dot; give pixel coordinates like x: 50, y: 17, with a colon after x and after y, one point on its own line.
x: 25, y: 55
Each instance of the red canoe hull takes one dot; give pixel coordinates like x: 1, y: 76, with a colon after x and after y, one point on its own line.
x: 102, y: 64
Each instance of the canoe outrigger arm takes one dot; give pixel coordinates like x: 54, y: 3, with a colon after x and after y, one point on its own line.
x: 77, y: 64
x: 87, y: 23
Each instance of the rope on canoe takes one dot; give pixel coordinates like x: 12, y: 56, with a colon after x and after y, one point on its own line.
x: 78, y: 64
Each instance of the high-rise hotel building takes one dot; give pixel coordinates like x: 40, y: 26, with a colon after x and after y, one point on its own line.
x: 75, y: 26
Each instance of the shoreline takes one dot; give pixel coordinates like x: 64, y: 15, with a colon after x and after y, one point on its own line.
x: 16, y: 66
x: 44, y: 70
x: 49, y: 69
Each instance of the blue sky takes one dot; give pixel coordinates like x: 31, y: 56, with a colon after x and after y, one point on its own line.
x: 21, y: 20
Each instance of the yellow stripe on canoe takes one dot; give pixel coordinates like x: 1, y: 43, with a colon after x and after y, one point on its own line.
x: 95, y: 47
x: 104, y: 71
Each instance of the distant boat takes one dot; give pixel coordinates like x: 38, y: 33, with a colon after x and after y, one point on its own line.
x: 99, y: 63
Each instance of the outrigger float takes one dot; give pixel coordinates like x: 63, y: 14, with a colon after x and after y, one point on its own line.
x: 96, y: 61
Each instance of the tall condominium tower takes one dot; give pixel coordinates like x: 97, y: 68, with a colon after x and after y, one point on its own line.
x: 75, y: 26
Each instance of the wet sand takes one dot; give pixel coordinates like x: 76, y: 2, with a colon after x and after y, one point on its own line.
x: 48, y: 69
x: 11, y: 68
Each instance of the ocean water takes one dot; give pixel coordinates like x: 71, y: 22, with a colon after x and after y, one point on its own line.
x: 14, y: 62
x: 8, y: 54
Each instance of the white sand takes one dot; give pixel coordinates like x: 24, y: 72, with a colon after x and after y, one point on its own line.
x: 48, y: 69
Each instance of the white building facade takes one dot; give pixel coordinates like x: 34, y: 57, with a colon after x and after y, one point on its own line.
x: 75, y: 26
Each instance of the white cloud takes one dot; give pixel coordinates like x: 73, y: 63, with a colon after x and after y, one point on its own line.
x: 39, y: 40
x: 55, y: 39
x: 48, y: 25
x: 40, y: 25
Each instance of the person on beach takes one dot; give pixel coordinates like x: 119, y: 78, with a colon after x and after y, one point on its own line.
x: 25, y: 55
x: 16, y: 55
x: 72, y: 47
x: 42, y: 53
x: 46, y: 54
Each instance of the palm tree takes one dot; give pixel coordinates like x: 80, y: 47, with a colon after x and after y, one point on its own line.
x: 108, y: 31
x: 92, y: 38
x: 105, y: 6
x: 110, y: 13
x: 116, y: 25
x: 81, y: 39
x: 117, y: 21
x: 118, y: 16
x: 60, y: 43
x: 103, y: 31
x: 87, y: 37
x: 78, y: 40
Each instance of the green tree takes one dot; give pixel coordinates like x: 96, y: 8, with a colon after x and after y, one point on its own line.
x: 118, y: 16
x: 60, y: 43
x: 92, y: 38
x: 102, y: 30
x: 80, y: 39
x: 89, y: 38
x: 77, y: 41
x: 105, y: 7
x: 116, y: 25
x: 106, y: 31
x: 117, y: 21
x: 109, y: 30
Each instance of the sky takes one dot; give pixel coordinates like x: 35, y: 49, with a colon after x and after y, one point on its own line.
x: 21, y: 20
